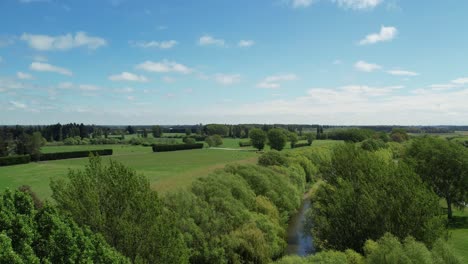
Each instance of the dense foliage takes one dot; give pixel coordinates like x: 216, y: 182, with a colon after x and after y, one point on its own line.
x: 258, y: 138
x: 243, y: 144
x: 74, y: 154
x: 13, y: 160
x: 443, y: 165
x: 216, y: 129
x: 277, y: 138
x: 214, y: 140
x: 239, y: 214
x: 351, y: 135
x: 175, y: 147
x: 38, y: 236
x: 367, y: 194
x: 116, y: 202
x: 386, y: 250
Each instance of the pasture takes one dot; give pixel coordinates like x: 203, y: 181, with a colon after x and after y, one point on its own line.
x: 166, y: 171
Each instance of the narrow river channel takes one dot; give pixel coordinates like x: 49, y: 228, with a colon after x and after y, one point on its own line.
x: 299, y: 243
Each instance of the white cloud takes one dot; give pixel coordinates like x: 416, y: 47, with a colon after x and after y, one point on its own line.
x: 301, y: 3
x: 63, y: 42
x: 127, y: 76
x: 358, y: 4
x: 209, y: 40
x: 246, y: 43
x: 24, y: 76
x: 353, y: 105
x: 89, y: 87
x: 385, y: 34
x: 131, y: 98
x: 366, y: 67
x: 164, y: 66
x: 46, y: 67
x: 461, y: 81
x: 156, y: 44
x: 227, y: 79
x: 402, y: 73
x: 439, y: 87
x: 18, y: 104
x: 274, y: 81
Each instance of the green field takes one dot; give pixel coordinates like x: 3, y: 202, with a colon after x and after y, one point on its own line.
x: 458, y: 233
x: 166, y: 171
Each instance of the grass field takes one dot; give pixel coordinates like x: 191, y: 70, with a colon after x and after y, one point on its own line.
x: 458, y: 234
x: 166, y: 171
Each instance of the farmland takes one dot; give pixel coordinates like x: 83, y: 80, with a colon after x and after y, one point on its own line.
x: 166, y: 171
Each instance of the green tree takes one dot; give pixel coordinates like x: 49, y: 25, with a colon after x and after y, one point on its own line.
x: 293, y: 138
x: 277, y: 138
x: 188, y: 131
x: 216, y: 129
x: 310, y: 138
x: 145, y: 133
x: 120, y: 204
x: 258, y: 138
x: 367, y: 194
x: 443, y: 165
x: 214, y: 140
x: 38, y: 236
x: 157, y: 131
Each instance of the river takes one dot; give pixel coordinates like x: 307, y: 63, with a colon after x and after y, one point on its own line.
x: 299, y: 243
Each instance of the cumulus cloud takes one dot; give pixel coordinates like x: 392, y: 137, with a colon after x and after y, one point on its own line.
x: 127, y: 76
x: 227, y: 79
x: 63, y: 42
x: 274, y: 81
x: 358, y: 4
x: 385, y: 34
x: 245, y: 43
x: 46, y: 67
x: 156, y: 44
x: 366, y: 67
x: 402, y: 73
x: 355, y: 105
x: 24, y: 76
x: 17, y: 104
x: 461, y: 81
x: 207, y: 40
x: 164, y: 66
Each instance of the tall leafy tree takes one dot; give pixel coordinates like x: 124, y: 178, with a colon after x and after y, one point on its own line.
x: 120, y: 204
x: 258, y: 138
x: 277, y: 138
x: 366, y: 195
x: 157, y: 131
x: 442, y: 164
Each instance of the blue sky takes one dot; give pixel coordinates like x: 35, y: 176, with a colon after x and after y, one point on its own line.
x: 341, y: 62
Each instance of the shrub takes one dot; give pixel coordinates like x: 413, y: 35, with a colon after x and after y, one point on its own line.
x: 373, y: 144
x: 214, y: 141
x: 272, y: 158
x: 74, y: 154
x: 298, y: 145
x: 175, y: 147
x: 245, y: 144
x: 189, y: 140
x: 13, y: 160
x: 258, y: 138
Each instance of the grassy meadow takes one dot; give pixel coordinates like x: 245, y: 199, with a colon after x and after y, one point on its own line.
x: 166, y: 171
